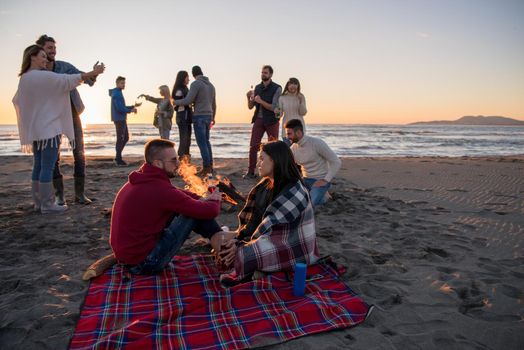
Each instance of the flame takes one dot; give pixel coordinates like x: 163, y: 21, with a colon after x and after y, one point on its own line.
x: 224, y: 179
x: 193, y: 182
x: 445, y: 288
x: 229, y: 199
x: 487, y: 303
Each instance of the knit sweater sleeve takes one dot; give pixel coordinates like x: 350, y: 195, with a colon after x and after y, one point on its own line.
x: 191, y: 95
x: 327, y: 153
x: 63, y: 82
x: 302, y: 109
x: 190, y: 194
x: 180, y: 202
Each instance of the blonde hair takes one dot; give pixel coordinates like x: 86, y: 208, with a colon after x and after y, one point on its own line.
x: 165, y: 90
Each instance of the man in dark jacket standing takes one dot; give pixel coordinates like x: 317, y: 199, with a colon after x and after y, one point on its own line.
x: 265, y: 99
x: 151, y: 218
x: 202, y: 94
x: 119, y: 112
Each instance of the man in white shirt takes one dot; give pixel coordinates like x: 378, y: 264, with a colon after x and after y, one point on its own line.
x: 319, y: 163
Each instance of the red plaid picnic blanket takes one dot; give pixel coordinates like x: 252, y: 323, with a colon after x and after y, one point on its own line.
x: 185, y: 307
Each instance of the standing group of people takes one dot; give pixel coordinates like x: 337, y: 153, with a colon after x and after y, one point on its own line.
x: 318, y: 161
x: 195, y: 109
x: 273, y: 108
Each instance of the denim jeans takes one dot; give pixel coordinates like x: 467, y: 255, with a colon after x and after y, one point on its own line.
x: 171, y: 241
x: 183, y: 121
x: 316, y: 193
x: 122, y: 136
x: 202, y: 124
x: 164, y: 133
x: 78, y: 151
x: 44, y: 159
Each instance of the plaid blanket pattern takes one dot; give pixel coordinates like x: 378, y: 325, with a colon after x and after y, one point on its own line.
x: 185, y: 307
x: 285, y: 236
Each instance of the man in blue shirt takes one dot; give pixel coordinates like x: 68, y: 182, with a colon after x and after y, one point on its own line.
x: 119, y: 112
x: 77, y: 107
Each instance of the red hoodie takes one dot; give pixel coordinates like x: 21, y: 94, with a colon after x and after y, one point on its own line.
x: 142, y: 209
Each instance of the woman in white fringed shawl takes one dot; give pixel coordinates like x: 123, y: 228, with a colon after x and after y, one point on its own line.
x: 43, y: 109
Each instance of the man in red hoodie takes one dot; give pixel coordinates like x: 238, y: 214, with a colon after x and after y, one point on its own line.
x: 151, y: 218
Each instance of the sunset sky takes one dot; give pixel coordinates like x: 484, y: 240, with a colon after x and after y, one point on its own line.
x: 359, y: 61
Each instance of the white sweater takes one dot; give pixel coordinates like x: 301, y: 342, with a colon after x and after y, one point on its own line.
x: 43, y: 106
x: 318, y: 161
x: 293, y: 108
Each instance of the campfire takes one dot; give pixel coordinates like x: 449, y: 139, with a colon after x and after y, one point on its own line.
x: 231, y: 197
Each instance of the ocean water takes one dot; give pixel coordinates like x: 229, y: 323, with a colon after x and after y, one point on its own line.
x: 232, y: 140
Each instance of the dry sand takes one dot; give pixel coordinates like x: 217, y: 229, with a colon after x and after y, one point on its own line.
x: 435, y: 243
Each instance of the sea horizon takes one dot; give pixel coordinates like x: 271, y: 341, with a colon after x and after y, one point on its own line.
x: 231, y: 140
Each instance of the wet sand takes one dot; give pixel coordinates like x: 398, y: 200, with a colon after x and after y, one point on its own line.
x: 436, y: 244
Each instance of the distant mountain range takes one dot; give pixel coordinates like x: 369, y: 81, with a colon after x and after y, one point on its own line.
x: 474, y: 120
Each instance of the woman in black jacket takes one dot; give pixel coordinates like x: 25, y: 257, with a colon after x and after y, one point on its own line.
x: 183, y: 116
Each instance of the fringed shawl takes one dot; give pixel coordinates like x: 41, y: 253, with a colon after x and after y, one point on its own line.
x: 43, y: 107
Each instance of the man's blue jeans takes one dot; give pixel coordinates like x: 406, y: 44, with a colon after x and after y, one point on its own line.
x: 44, y: 159
x: 171, y: 241
x: 201, y: 125
x: 317, y: 194
x: 122, y: 136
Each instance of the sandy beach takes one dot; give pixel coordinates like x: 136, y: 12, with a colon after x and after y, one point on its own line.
x: 436, y: 244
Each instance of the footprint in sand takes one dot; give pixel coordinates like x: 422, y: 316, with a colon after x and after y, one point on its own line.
x: 490, y: 268
x: 437, y: 251
x: 456, y: 190
x: 471, y: 297
x: 380, y: 258
x: 511, y: 291
x: 390, y: 301
x: 445, y: 269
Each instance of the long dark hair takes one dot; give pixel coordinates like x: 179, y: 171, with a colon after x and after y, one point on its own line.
x: 30, y: 51
x: 291, y: 81
x: 285, y: 170
x: 179, y: 83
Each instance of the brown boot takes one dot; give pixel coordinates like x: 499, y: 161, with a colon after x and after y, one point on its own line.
x: 58, y: 184
x: 80, y: 196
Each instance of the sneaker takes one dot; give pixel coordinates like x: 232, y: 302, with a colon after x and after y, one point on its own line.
x: 120, y: 162
x: 249, y: 175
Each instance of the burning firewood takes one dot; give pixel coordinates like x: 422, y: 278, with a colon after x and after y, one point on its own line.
x: 230, y: 192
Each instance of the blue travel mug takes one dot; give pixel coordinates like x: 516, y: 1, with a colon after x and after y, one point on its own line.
x: 299, y: 281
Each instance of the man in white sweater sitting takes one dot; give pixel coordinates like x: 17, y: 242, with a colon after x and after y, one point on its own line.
x: 319, y: 163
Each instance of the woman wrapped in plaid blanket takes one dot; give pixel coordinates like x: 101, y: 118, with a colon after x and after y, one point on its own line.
x: 277, y: 225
